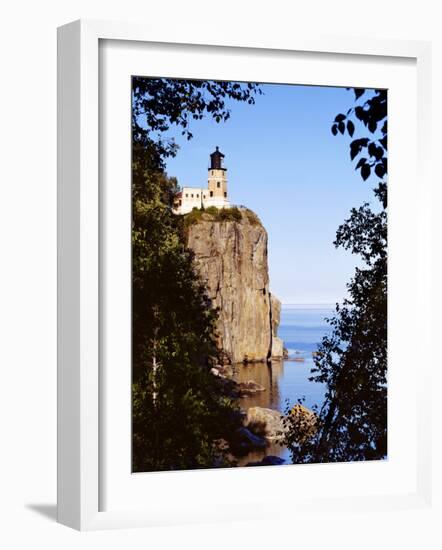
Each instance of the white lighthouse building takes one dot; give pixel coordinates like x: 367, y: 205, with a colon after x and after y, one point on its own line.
x: 215, y: 194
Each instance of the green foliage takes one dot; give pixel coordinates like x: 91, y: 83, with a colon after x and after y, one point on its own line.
x: 180, y: 410
x: 212, y: 211
x: 193, y: 217
x: 159, y: 103
x: 372, y: 113
x: 229, y: 214
x: 352, y: 360
x: 213, y: 214
x: 252, y: 217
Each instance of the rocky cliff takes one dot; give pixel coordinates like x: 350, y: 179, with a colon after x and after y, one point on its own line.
x: 231, y: 256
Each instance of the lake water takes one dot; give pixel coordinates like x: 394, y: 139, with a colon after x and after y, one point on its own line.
x: 302, y: 329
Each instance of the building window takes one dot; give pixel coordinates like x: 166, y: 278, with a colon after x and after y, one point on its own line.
x: 197, y: 195
x: 211, y: 193
x: 225, y: 194
x: 218, y: 184
x: 191, y: 195
x: 187, y: 195
x: 180, y: 202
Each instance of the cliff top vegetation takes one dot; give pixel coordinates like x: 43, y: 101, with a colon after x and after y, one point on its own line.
x: 212, y: 213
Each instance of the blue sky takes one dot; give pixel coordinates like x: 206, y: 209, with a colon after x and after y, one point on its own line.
x: 284, y: 163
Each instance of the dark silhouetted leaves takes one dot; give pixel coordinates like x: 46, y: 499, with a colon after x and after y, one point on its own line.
x: 352, y: 360
x: 360, y: 163
x: 365, y: 171
x: 356, y: 147
x: 380, y: 170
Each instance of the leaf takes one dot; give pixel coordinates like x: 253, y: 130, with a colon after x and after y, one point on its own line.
x: 365, y: 171
x: 350, y: 128
x: 356, y: 146
x: 340, y: 118
x: 341, y: 127
x: 359, y: 92
x: 360, y: 113
x: 334, y: 129
x: 355, y: 149
x: 372, y: 125
x: 379, y: 152
x: 371, y: 149
x: 379, y: 170
x: 361, y: 161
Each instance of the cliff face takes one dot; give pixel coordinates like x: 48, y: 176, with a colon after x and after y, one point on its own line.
x: 231, y: 257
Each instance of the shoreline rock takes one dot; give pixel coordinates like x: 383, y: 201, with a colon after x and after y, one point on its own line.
x: 244, y: 441
x: 295, y: 360
x: 249, y: 388
x: 267, y: 423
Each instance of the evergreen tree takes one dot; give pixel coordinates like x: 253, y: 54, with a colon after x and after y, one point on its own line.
x: 180, y: 409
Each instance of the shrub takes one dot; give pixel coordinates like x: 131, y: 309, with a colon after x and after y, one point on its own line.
x: 233, y: 214
x: 193, y: 217
x: 252, y: 217
x: 212, y: 210
x: 229, y: 214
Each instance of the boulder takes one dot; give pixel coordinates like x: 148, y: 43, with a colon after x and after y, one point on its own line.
x: 225, y: 370
x: 244, y: 441
x: 249, y: 388
x: 267, y: 423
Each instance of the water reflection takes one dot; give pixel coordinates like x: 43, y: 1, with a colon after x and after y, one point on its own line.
x: 267, y: 376
x: 285, y: 382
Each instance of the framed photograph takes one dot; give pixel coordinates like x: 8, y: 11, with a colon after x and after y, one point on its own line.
x: 235, y: 290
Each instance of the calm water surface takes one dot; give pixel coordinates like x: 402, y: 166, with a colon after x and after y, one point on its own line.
x: 301, y: 329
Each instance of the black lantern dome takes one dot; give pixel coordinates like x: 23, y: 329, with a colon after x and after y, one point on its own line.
x: 216, y: 160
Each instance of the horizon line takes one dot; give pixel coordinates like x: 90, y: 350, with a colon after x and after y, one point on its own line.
x: 315, y: 304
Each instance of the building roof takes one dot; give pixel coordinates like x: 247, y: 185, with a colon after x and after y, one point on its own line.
x: 216, y: 162
x: 217, y: 152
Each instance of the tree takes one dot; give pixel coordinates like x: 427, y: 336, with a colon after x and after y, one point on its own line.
x: 352, y: 360
x: 180, y: 409
x: 159, y: 103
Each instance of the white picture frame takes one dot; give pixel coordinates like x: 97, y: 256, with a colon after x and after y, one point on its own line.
x: 79, y: 272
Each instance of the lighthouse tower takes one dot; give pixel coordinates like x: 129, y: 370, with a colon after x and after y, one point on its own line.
x: 217, y: 181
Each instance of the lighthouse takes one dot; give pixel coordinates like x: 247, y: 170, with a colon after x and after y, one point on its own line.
x: 215, y: 194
